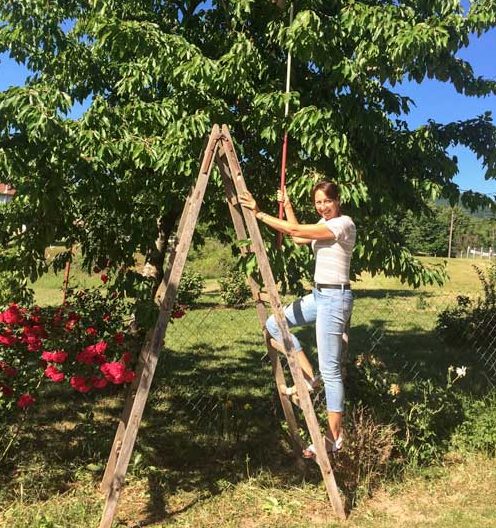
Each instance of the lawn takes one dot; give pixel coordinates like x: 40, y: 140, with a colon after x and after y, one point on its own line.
x: 457, y: 495
x: 212, y: 448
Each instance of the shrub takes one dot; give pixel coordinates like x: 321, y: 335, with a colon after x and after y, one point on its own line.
x: 82, y: 343
x: 367, y: 453
x: 452, y: 322
x: 190, y: 288
x: 478, y: 431
x: 426, y: 420
x: 424, y: 412
x: 469, y: 320
x: 234, y: 290
x: 14, y: 289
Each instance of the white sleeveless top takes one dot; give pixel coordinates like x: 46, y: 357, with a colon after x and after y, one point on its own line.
x: 333, y: 257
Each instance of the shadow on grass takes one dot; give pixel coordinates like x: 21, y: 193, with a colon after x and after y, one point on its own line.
x: 214, y: 421
x: 212, y: 417
x: 211, y: 420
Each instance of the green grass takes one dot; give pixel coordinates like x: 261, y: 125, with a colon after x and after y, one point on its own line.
x: 462, y: 277
x: 209, y: 259
x: 212, y: 449
x: 459, y: 495
x: 49, y: 287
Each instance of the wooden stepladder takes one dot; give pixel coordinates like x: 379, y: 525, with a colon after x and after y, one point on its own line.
x: 219, y: 150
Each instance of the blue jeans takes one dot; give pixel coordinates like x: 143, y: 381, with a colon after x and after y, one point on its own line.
x: 330, y: 310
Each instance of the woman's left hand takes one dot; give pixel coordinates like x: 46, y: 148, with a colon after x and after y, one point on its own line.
x: 246, y: 200
x: 282, y: 197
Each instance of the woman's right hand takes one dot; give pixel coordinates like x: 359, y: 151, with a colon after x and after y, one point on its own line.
x: 246, y: 200
x: 282, y: 196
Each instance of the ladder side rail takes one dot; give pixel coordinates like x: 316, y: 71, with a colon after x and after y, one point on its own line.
x: 263, y: 261
x: 304, y: 397
x: 206, y: 165
x: 166, y: 305
x: 239, y: 227
x: 277, y: 369
x: 124, y: 418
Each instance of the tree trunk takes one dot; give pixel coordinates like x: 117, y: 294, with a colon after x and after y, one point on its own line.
x: 155, y: 257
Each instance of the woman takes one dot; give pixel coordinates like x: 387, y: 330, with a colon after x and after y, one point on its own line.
x: 330, y: 303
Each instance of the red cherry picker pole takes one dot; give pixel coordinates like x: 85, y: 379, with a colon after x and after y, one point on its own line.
x: 285, y: 138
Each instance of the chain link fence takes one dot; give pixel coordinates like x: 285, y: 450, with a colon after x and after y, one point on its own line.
x: 483, y: 340
x: 216, y: 392
x: 220, y: 367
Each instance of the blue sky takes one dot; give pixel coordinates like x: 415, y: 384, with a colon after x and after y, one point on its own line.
x: 440, y: 102
x: 434, y: 100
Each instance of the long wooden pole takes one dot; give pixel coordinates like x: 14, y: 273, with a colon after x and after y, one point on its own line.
x: 67, y: 273
x: 285, y: 138
x: 451, y: 231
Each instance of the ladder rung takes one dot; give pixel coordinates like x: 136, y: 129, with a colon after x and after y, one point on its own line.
x: 264, y: 296
x: 277, y: 346
x: 290, y: 393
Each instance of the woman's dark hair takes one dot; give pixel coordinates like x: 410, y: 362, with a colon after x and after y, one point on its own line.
x: 330, y: 189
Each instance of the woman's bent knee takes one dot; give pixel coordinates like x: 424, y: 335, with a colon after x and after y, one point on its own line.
x: 272, y: 327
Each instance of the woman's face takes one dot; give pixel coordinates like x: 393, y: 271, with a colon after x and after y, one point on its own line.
x: 326, y: 207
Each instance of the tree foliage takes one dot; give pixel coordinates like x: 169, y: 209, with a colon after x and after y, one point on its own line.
x: 428, y: 234
x: 158, y: 74
x: 472, y: 230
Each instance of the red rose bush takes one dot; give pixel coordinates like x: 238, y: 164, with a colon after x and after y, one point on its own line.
x: 82, y: 344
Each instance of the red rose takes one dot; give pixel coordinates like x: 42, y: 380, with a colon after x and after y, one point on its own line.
x: 7, y: 340
x: 25, y: 400
x: 116, y: 372
x: 54, y: 373
x: 33, y: 342
x: 93, y: 354
x: 126, y: 358
x: 10, y: 372
x: 104, y: 278
x: 79, y: 383
x: 71, y: 323
x: 101, y: 347
x: 98, y: 383
x: 5, y: 390
x: 119, y: 338
x: 59, y: 356
x: 91, y: 331
x: 12, y: 315
x: 129, y: 376
x: 57, y: 319
x: 106, y: 317
x: 35, y: 330
x: 178, y: 312
x: 85, y: 357
x: 73, y: 316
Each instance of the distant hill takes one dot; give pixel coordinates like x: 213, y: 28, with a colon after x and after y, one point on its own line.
x: 486, y: 212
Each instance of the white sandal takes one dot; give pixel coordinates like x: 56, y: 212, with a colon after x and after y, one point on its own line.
x: 310, y: 384
x: 336, y: 446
